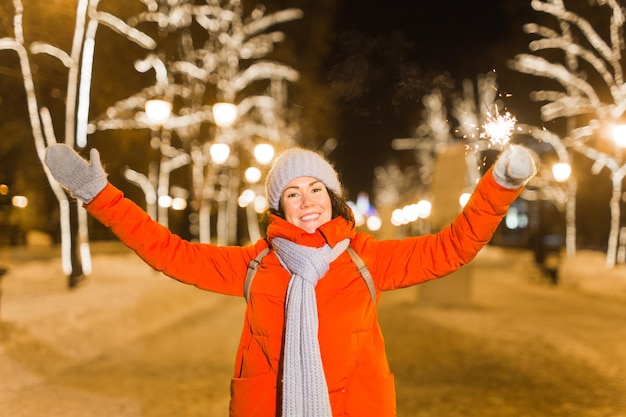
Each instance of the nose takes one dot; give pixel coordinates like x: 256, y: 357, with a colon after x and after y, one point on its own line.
x: 306, y: 201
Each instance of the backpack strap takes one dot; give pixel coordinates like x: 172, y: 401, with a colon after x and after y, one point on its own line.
x: 365, y: 273
x: 252, y: 266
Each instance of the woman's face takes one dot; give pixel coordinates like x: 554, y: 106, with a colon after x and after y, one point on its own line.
x: 306, y: 203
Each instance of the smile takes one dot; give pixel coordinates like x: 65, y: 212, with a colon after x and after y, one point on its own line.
x: 310, y: 217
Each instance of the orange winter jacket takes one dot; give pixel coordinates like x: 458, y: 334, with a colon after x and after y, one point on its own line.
x: 359, y: 380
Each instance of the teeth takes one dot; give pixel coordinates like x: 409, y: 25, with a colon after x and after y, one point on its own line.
x: 310, y: 217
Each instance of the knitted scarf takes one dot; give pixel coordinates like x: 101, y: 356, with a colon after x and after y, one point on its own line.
x: 305, y: 392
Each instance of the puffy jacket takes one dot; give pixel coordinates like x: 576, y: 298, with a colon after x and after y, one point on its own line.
x: 359, y: 380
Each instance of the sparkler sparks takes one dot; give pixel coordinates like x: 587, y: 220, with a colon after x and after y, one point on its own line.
x: 498, y: 129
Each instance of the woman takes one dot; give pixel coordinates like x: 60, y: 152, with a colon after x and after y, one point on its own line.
x: 311, y: 345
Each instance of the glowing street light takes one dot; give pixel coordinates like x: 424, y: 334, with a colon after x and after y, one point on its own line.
x: 619, y: 135
x: 373, y: 223
x: 410, y: 212
x: 264, y: 153
x: 19, y: 201
x: 224, y: 114
x: 158, y: 111
x: 165, y: 201
x: 398, y: 218
x: 219, y: 152
x: 246, y: 198
x: 424, y: 208
x: 260, y: 204
x: 252, y: 175
x: 561, y: 171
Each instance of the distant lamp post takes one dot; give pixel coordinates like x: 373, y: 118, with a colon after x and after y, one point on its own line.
x: 19, y: 201
x: 424, y: 208
x: 158, y: 111
x: 619, y: 135
x: 410, y: 212
x: 398, y: 218
x: 179, y: 203
x: 260, y: 204
x: 246, y: 197
x: 219, y: 152
x: 561, y: 171
x: 373, y: 223
x: 224, y: 114
x: 252, y: 175
x: 165, y: 201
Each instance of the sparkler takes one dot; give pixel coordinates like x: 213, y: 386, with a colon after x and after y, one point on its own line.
x: 499, y: 128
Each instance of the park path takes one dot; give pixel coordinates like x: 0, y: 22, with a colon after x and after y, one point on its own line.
x: 132, y: 343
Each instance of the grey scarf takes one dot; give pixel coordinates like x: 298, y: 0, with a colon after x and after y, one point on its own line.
x: 305, y: 392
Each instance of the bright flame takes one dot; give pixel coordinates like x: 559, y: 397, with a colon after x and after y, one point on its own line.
x: 498, y: 129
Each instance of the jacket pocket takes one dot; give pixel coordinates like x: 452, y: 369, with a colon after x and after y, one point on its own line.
x: 371, y: 394
x: 253, y: 396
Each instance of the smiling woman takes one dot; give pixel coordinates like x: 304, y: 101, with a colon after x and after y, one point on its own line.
x: 296, y: 188
x: 306, y: 203
x: 311, y: 344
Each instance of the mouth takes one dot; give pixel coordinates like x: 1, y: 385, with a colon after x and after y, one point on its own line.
x: 310, y: 217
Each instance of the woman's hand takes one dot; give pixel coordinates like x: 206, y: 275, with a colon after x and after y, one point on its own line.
x: 84, y: 179
x: 514, y: 167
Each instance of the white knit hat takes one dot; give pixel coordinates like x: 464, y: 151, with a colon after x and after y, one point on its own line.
x: 295, y: 163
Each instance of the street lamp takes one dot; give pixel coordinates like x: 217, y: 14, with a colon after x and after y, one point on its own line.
x: 561, y: 171
x: 158, y: 111
x: 224, y: 114
x: 424, y: 208
x: 264, y: 153
x: 252, y: 175
x: 373, y: 223
x: 219, y: 152
x: 619, y: 135
x: 19, y: 201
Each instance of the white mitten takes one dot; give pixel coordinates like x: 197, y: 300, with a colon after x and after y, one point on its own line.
x: 514, y: 167
x: 82, y: 178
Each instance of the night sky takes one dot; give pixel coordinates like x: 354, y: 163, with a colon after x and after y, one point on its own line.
x: 450, y: 35
x: 463, y: 38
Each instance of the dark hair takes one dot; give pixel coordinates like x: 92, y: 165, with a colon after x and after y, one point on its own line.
x: 339, y: 207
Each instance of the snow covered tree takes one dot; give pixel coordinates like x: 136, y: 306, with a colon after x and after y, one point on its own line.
x: 193, y: 77
x: 207, y: 54
x: 582, y: 56
x: 447, y: 118
x: 74, y: 60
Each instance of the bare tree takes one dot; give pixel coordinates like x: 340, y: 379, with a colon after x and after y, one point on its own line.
x: 75, y: 61
x: 229, y: 40
x: 591, y: 97
x: 456, y: 118
x: 225, y: 64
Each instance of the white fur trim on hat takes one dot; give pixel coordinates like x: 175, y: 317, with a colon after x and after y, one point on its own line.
x: 295, y: 163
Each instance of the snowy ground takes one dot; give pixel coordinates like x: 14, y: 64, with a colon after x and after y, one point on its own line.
x: 46, y: 328
x: 57, y: 345
x: 587, y: 272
